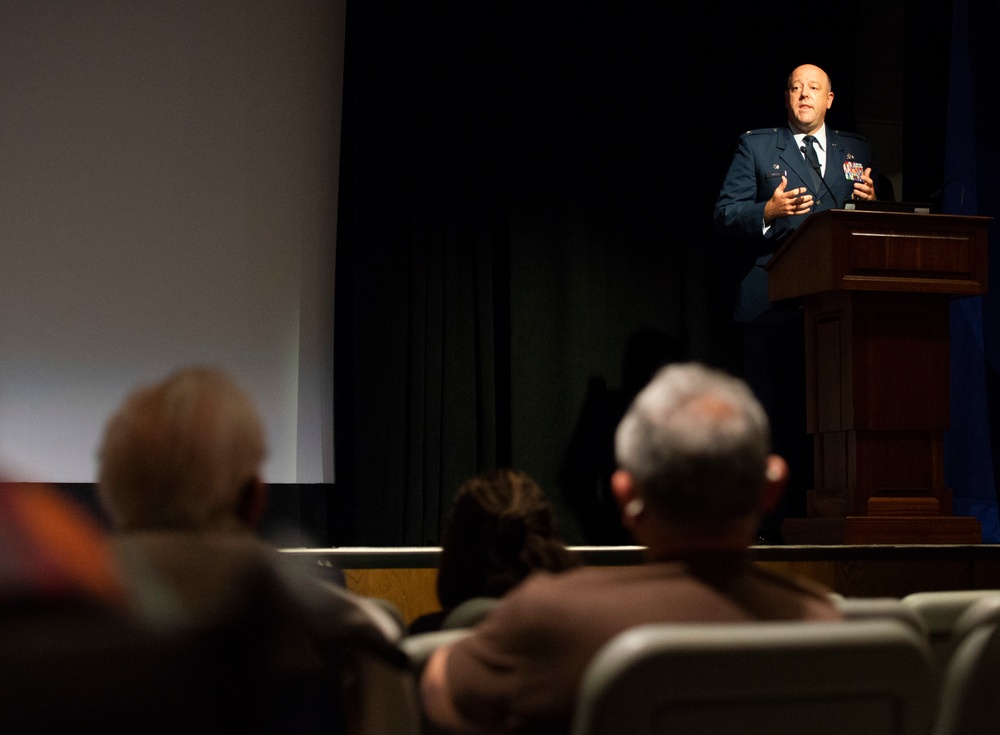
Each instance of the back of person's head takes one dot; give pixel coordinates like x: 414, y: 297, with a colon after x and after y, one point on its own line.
x: 696, y: 443
x: 184, y: 453
x: 500, y: 528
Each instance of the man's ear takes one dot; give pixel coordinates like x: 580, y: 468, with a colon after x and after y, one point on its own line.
x: 631, y: 505
x: 775, y: 479
x: 622, y: 487
x: 253, y: 502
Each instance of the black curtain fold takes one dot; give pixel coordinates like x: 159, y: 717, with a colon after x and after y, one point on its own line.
x: 421, y: 208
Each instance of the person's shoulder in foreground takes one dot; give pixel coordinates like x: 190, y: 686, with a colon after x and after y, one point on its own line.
x: 53, y: 552
x: 695, y: 476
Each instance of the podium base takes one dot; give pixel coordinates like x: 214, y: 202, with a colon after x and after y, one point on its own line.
x: 862, y: 530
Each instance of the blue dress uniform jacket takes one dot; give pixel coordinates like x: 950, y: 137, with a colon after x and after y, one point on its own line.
x: 762, y: 157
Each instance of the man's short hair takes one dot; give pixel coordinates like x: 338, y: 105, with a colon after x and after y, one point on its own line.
x: 181, y: 453
x: 696, y: 442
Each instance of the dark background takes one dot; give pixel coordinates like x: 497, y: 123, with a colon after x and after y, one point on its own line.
x: 524, y: 223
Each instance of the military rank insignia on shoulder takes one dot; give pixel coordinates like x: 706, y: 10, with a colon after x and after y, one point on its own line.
x: 847, y: 134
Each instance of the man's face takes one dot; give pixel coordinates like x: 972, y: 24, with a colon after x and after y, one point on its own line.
x: 807, y: 98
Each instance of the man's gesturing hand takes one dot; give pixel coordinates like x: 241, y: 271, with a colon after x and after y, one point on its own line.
x: 787, y: 203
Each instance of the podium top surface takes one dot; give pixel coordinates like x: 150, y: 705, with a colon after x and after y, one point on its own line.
x: 857, y: 250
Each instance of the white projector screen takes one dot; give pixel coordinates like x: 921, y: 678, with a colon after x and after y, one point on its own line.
x: 168, y: 197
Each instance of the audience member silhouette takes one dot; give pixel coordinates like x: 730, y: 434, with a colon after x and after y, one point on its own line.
x: 695, y: 474
x: 180, y: 478
x: 500, y: 529
x: 584, y: 477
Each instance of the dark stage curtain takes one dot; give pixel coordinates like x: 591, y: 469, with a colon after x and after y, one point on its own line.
x: 506, y: 236
x: 972, y: 187
x: 422, y: 305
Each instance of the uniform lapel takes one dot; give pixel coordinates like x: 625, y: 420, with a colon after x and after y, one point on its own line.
x: 834, y: 157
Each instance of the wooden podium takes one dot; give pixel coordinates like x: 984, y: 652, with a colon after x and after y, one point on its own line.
x: 875, y: 288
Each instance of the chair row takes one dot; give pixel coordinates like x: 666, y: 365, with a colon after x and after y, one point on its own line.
x: 923, y: 664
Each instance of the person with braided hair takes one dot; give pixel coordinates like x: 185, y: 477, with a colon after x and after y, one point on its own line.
x: 500, y: 529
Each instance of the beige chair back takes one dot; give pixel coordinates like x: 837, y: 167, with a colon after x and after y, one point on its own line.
x: 863, y: 677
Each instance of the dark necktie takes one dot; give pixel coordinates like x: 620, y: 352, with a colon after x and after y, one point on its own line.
x: 813, y: 160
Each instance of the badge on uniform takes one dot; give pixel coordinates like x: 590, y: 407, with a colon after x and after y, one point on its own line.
x: 853, y: 171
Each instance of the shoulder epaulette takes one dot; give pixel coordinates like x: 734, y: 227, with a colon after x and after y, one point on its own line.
x: 848, y: 134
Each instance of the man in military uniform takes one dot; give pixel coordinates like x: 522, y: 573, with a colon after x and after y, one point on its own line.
x: 777, y: 178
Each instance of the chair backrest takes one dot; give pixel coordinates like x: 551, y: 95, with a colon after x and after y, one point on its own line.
x: 390, y: 609
x: 381, y: 698
x: 418, y: 647
x: 985, y: 611
x: 862, y: 608
x: 856, y: 676
x: 376, y: 687
x: 969, y: 704
x: 940, y: 611
x: 468, y: 613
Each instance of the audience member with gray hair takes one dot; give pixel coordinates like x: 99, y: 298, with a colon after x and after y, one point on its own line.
x: 695, y: 475
x: 696, y: 445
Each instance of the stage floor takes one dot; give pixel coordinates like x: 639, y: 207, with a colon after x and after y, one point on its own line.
x: 406, y: 576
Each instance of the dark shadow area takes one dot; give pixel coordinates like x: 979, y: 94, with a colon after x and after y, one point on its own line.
x: 584, y: 479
